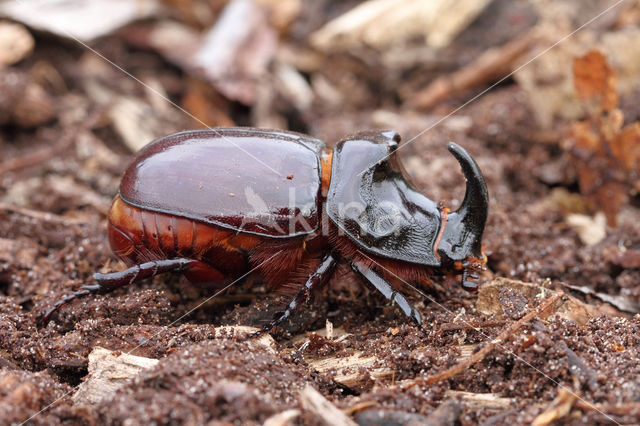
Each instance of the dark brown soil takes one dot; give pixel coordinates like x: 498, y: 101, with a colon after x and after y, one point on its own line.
x: 57, y: 180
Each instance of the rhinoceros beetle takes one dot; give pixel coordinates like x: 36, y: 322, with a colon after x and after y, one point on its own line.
x: 215, y: 204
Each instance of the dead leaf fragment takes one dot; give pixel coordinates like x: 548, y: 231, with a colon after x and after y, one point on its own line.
x: 593, y: 77
x: 605, y: 155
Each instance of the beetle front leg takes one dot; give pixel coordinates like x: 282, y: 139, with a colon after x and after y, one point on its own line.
x: 387, y: 291
x: 318, y: 277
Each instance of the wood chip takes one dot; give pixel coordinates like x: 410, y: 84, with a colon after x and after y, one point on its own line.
x: 324, y: 411
x: 351, y: 371
x: 109, y: 371
x: 477, y: 401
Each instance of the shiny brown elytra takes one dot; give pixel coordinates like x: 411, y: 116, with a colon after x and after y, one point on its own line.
x: 217, y: 204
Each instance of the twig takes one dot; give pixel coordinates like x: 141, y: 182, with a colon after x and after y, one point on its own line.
x: 282, y: 419
x: 559, y: 408
x: 486, y: 401
x: 479, y: 356
x: 489, y: 66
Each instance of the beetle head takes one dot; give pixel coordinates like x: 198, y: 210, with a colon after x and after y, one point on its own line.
x: 461, y: 241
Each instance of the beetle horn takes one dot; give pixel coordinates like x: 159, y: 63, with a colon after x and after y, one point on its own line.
x: 463, y: 233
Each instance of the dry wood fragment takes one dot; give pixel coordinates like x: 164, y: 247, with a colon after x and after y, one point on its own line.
x: 282, y: 419
x: 559, y: 408
x: 351, y: 371
x: 490, y: 401
x: 109, y: 371
x: 539, y: 311
x: 324, y: 410
x: 491, y: 65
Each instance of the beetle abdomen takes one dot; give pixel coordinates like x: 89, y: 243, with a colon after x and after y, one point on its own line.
x: 138, y: 235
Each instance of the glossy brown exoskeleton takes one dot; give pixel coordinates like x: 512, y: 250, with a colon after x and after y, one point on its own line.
x: 216, y: 204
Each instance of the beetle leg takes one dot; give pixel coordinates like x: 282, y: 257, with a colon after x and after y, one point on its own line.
x: 318, y: 277
x: 114, y: 280
x: 387, y: 291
